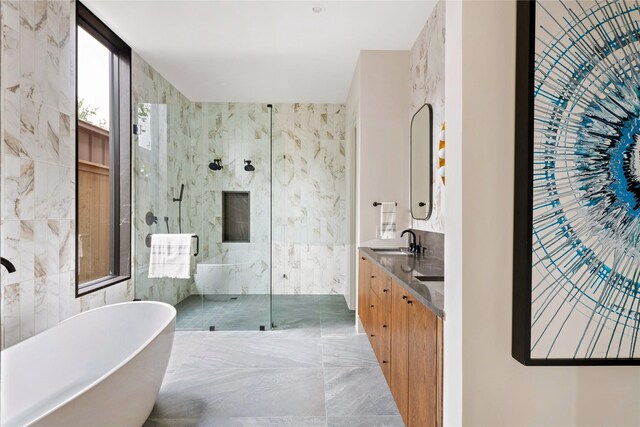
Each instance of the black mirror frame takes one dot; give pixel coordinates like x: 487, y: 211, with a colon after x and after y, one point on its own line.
x: 430, y: 160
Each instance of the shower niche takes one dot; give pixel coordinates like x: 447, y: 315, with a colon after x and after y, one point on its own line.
x: 236, y: 224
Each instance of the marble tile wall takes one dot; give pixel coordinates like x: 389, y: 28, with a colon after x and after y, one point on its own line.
x: 308, y: 195
x: 427, y: 86
x: 308, y: 192
x: 233, y: 132
x: 309, y: 238
x: 163, y: 157
x: 37, y: 178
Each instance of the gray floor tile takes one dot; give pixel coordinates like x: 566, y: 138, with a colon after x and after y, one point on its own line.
x: 184, y: 344
x: 262, y: 351
x: 357, y: 391
x: 267, y: 422
x: 331, y: 299
x: 338, y: 324
x: 239, y: 422
x: 312, y: 365
x: 209, y: 393
x: 366, y: 421
x: 348, y: 351
x: 171, y: 422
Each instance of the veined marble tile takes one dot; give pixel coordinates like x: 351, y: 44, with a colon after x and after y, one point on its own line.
x: 11, y: 14
x: 11, y: 231
x: 53, y: 299
x: 29, y: 119
x: 27, y: 309
x: 92, y: 300
x: 47, y: 135
x: 66, y: 245
x: 26, y: 268
x: 11, y: 313
x: 10, y: 180
x: 11, y: 144
x: 41, y: 315
x: 41, y: 263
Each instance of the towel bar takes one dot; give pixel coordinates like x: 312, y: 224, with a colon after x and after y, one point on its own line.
x: 378, y: 204
x: 148, y: 243
x: 197, y: 244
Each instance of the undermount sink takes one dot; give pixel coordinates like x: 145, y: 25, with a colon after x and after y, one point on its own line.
x: 391, y: 251
x: 430, y: 278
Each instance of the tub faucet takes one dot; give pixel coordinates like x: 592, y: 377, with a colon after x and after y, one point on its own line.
x: 8, y: 265
x: 412, y: 242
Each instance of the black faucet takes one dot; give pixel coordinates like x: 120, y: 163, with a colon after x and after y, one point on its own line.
x: 8, y: 265
x: 412, y: 242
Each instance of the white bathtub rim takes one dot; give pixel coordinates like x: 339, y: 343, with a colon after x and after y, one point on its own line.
x: 119, y: 365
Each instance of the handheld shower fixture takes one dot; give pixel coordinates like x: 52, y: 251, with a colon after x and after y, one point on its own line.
x: 249, y: 167
x: 215, y: 165
x: 179, y: 200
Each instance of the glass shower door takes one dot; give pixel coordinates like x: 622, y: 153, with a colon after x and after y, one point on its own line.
x: 159, y: 174
x: 234, y: 162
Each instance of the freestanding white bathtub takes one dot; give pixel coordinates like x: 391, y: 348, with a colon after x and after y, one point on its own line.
x: 103, y: 367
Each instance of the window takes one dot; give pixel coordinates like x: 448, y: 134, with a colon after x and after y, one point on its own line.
x: 103, y: 151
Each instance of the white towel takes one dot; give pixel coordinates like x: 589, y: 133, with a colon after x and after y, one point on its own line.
x: 388, y: 220
x: 170, y: 256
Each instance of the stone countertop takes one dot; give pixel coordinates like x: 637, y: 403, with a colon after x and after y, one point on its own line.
x: 404, y: 268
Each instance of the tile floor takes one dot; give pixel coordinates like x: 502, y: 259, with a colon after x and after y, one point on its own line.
x: 312, y: 370
x: 224, y: 311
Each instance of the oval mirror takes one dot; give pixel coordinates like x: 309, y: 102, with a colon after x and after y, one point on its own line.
x: 421, y: 162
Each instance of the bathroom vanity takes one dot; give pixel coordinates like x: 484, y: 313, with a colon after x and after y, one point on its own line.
x: 400, y: 305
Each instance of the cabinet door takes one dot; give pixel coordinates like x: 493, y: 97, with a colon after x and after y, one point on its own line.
x: 382, y: 286
x: 399, y: 383
x: 423, y: 366
x: 363, y: 291
x: 383, y: 338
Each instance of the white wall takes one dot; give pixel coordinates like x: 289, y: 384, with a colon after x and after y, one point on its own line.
x: 383, y: 150
x: 497, y: 390
x: 353, y: 189
x: 452, y: 327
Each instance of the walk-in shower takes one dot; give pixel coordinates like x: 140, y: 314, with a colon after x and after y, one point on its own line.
x: 262, y: 186
x: 230, y: 210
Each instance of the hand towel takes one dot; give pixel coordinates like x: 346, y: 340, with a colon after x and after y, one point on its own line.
x: 170, y: 256
x: 388, y: 220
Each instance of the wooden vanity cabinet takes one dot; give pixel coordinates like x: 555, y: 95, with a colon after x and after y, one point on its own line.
x: 406, y: 337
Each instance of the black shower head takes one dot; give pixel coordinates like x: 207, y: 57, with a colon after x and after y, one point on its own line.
x: 215, y: 165
x: 249, y: 167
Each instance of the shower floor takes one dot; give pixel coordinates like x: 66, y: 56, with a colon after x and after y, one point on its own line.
x: 250, y: 312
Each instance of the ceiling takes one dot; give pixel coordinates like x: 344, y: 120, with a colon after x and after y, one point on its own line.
x: 262, y: 51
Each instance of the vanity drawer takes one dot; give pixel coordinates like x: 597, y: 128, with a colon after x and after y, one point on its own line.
x: 381, y: 284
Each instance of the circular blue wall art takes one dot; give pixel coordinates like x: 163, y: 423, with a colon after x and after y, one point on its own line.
x: 585, y: 289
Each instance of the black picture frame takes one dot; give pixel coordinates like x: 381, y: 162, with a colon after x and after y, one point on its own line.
x: 523, y: 201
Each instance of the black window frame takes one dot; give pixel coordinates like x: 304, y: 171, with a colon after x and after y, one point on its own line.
x: 120, y: 154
